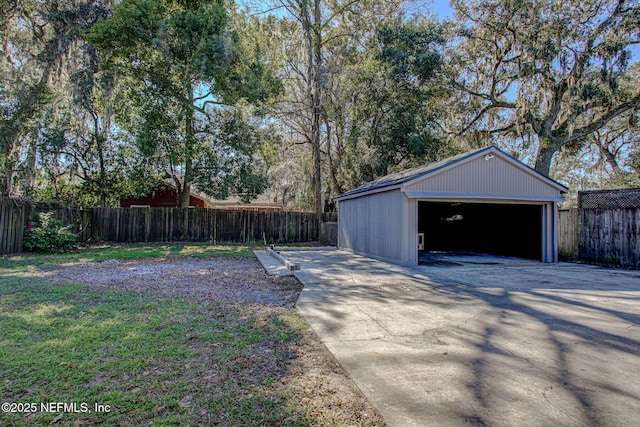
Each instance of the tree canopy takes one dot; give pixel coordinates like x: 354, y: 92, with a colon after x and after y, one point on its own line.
x: 550, y: 72
x: 186, y: 66
x: 305, y: 99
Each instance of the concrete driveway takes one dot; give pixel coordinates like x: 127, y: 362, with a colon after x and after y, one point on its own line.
x: 462, y: 343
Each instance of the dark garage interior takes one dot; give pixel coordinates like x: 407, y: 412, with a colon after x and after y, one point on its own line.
x: 498, y: 229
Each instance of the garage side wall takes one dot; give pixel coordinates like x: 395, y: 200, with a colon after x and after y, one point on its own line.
x: 373, y: 225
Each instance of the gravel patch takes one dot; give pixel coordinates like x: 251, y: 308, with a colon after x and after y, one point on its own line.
x: 219, y: 279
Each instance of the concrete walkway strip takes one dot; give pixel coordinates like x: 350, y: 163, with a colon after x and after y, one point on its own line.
x: 288, y: 264
x: 272, y: 266
x: 473, y: 344
x: 277, y: 265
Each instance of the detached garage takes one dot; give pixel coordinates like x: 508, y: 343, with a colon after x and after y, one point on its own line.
x: 483, y: 201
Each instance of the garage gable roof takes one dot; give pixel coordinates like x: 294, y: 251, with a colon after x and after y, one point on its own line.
x: 408, y: 177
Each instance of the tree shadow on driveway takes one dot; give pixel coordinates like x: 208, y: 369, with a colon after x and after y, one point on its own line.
x: 485, y: 345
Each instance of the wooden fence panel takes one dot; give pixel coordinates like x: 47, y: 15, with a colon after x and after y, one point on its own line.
x: 202, y: 225
x: 568, y: 221
x: 12, y: 223
x: 610, y: 236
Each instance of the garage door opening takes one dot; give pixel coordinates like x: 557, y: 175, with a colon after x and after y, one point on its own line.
x: 498, y: 229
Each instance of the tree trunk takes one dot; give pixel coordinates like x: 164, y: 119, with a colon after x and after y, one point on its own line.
x: 609, y: 158
x: 183, y: 201
x: 6, y: 186
x: 185, y: 195
x: 316, y: 94
x: 546, y: 151
x: 100, y: 139
x: 104, y: 185
x: 30, y: 168
x: 331, y: 164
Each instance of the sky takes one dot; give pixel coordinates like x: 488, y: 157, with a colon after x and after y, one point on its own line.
x: 442, y: 9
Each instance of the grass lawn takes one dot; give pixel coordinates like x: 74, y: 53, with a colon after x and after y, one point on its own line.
x: 127, y: 251
x: 160, y: 360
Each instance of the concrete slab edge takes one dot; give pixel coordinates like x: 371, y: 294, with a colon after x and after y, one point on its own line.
x: 291, y: 266
x: 271, y: 265
x: 306, y: 248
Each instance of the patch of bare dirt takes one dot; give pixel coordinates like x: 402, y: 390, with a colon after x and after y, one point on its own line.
x: 218, y: 279
x: 324, y: 390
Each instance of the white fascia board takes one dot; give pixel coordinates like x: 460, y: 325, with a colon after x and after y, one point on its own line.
x: 493, y: 150
x: 479, y: 197
x: 368, y: 192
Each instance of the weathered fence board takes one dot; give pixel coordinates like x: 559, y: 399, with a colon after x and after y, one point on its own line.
x: 568, y: 221
x: 329, y: 233
x: 610, y: 236
x: 12, y: 223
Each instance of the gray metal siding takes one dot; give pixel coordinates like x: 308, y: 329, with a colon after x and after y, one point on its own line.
x: 373, y: 225
x: 410, y: 232
x: 494, y: 176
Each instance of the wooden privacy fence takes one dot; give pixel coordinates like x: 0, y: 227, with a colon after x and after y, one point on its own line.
x: 204, y: 225
x: 163, y: 224
x: 603, y: 236
x: 568, y: 233
x: 610, y: 236
x: 12, y: 223
x: 16, y: 213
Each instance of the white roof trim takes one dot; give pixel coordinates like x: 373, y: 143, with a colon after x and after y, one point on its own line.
x: 491, y: 150
x: 465, y: 196
x: 369, y: 192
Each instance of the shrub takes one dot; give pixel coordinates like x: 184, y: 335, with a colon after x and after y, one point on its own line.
x: 49, y: 236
